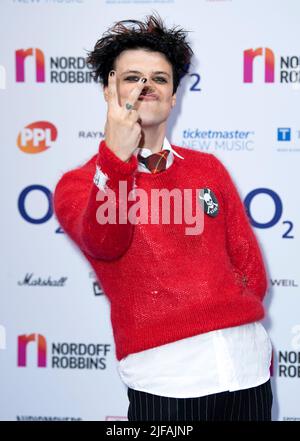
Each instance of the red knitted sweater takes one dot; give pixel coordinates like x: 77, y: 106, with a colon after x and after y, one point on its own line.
x: 164, y: 285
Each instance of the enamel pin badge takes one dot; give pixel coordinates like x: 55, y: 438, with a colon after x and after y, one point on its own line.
x: 208, y: 202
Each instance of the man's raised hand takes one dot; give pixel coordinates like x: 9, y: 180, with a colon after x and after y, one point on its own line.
x: 122, y: 129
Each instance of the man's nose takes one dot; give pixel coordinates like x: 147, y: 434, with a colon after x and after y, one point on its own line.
x: 148, y: 86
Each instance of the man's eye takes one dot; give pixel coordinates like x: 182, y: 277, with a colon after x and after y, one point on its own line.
x: 132, y: 78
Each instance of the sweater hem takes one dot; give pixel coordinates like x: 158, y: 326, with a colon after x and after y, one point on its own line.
x: 180, y: 330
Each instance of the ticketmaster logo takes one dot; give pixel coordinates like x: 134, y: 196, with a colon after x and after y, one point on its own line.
x: 215, y: 140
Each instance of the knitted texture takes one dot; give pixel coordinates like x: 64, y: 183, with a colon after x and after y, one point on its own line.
x: 164, y: 285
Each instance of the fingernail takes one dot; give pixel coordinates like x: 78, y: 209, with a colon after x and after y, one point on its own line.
x: 144, y: 80
x: 111, y: 74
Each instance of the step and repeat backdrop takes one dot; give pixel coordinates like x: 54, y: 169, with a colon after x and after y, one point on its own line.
x: 240, y: 101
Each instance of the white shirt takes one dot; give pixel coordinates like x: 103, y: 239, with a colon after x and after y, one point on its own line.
x: 223, y: 360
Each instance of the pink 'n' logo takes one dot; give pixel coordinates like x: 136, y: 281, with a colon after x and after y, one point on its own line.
x: 21, y: 56
x: 269, y: 58
x: 24, y: 340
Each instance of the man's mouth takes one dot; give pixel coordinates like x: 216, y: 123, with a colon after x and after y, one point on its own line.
x: 148, y: 96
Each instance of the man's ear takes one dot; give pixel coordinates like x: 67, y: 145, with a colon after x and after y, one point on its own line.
x: 105, y: 92
x: 173, y: 103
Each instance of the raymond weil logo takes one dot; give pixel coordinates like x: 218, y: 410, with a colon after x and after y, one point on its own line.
x: 285, y: 283
x: 262, y: 60
x: 37, y: 137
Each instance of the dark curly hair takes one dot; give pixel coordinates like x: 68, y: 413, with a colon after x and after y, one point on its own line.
x: 149, y: 35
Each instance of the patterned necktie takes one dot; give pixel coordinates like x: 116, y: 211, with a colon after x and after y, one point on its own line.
x: 156, y: 162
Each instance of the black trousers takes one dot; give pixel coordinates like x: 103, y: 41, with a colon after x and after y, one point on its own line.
x: 252, y: 404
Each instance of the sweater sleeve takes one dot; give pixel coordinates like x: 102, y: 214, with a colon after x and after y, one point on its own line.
x: 242, y: 245
x: 77, y: 204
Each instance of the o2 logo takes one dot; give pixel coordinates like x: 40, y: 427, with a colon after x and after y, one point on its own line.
x: 47, y: 194
x: 277, y: 212
x: 25, y: 211
x: 197, y: 78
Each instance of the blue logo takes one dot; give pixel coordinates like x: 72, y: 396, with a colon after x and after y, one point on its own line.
x: 283, y: 134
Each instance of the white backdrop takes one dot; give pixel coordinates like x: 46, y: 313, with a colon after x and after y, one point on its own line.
x: 52, y: 120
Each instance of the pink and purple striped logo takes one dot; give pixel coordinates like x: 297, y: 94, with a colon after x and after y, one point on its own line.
x: 41, y: 345
x: 21, y: 56
x: 269, y: 64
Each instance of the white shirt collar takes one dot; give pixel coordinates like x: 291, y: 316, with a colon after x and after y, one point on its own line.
x: 166, y: 146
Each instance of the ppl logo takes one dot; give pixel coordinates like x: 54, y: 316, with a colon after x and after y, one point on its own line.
x: 269, y: 64
x: 36, y: 137
x: 41, y: 346
x: 21, y: 56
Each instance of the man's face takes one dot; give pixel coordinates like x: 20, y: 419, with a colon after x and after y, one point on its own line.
x: 155, y: 109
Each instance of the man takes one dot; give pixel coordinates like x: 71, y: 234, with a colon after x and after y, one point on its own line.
x: 186, y: 304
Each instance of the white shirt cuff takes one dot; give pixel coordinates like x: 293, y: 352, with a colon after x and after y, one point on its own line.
x: 100, y: 179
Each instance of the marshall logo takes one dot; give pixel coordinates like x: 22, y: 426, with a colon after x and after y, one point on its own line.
x: 30, y: 280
